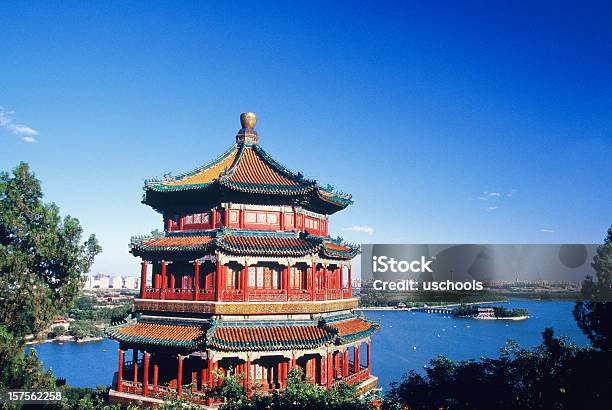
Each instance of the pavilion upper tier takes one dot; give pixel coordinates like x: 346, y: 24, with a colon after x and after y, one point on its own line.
x: 244, y: 174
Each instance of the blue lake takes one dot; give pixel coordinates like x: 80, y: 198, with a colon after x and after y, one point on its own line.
x: 407, y: 340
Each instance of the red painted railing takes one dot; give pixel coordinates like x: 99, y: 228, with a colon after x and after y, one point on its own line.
x: 298, y: 294
x: 206, y: 294
x: 232, y: 295
x: 357, y: 377
x: 334, y: 294
x: 267, y: 295
x: 237, y: 295
x: 320, y: 294
x: 160, y: 391
x: 152, y: 293
x: 178, y: 294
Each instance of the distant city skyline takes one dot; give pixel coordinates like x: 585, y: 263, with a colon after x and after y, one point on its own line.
x: 449, y: 123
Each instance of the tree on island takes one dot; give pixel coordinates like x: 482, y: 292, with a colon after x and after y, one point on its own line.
x: 42, y: 260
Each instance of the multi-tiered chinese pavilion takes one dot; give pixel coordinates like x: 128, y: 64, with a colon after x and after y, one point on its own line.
x: 244, y: 278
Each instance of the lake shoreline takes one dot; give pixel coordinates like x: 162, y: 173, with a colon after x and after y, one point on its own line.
x: 65, y: 339
x: 408, y: 309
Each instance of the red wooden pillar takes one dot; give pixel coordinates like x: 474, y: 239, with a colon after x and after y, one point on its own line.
x: 330, y: 369
x: 350, y: 281
x: 203, y: 378
x: 172, y: 280
x: 285, y: 280
x: 226, y: 219
x: 155, y: 375
x: 241, y: 219
x: 145, y: 373
x: 211, y: 373
x: 217, y: 280
x: 293, y: 363
x: 312, y: 281
x: 194, y: 381
x: 179, y: 377
x: 163, y: 278
x: 120, y: 372
x: 248, y: 375
x: 223, y: 281
x: 356, y: 355
x: 213, y: 219
x: 143, y: 279
x: 322, y: 366
x: 282, y: 220
x: 196, y: 281
x: 135, y: 362
x: 181, y: 223
x: 345, y: 364
x: 368, y: 354
x: 245, y: 281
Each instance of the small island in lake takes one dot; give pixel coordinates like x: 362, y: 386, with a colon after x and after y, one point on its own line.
x: 489, y: 313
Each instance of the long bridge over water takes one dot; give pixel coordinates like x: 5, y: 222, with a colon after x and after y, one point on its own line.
x: 438, y: 310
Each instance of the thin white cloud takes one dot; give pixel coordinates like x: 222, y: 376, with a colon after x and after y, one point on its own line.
x: 365, y: 229
x: 25, y: 132
x: 483, y: 198
x: 494, y: 194
x: 547, y: 230
x: 491, y: 208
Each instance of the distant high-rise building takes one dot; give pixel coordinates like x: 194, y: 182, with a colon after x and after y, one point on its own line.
x: 131, y: 282
x: 104, y: 282
x: 116, y: 282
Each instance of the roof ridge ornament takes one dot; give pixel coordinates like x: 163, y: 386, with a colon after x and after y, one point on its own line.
x: 247, y: 134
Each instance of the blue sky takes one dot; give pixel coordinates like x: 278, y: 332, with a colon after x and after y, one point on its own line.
x: 449, y: 123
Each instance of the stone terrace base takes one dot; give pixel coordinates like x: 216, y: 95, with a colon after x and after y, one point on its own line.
x: 125, y: 399
x: 367, y: 385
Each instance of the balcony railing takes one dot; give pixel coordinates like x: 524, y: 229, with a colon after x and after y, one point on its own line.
x: 298, y: 294
x: 206, y: 294
x: 357, y: 377
x: 178, y: 294
x: 267, y: 295
x: 334, y: 294
x: 237, y: 295
x: 160, y: 392
x: 232, y: 295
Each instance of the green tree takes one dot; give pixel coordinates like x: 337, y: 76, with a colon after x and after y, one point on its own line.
x: 594, y: 312
x: 42, y: 259
x: 42, y: 256
x: 58, y: 331
x: 81, y: 328
x: 298, y: 394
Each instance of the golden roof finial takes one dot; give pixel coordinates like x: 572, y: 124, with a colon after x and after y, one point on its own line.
x: 247, y: 134
x: 248, y: 120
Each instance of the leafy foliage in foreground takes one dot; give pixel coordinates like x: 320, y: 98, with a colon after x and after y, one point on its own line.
x: 42, y: 259
x: 555, y: 375
x: 298, y: 394
x: 594, y: 313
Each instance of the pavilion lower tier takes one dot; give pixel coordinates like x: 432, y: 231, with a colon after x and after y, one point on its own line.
x: 155, y: 374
